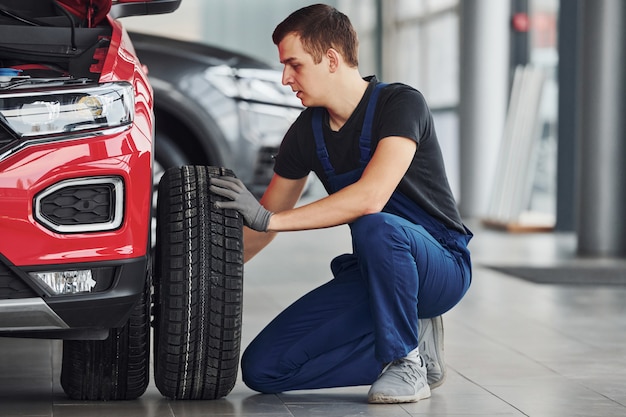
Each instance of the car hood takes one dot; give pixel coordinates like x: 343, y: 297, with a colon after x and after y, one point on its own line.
x: 91, y: 10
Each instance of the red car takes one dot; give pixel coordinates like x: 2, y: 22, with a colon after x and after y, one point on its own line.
x: 76, y: 162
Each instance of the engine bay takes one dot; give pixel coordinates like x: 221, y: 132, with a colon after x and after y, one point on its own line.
x: 41, y: 42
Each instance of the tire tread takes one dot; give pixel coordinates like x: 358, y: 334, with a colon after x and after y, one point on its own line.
x: 198, y: 286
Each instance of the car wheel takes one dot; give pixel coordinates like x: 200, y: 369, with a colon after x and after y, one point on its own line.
x: 117, y: 368
x: 198, y: 287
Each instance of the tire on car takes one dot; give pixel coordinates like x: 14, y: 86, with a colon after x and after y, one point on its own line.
x: 198, y: 286
x: 117, y: 368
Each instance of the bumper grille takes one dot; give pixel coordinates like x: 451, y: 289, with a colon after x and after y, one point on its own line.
x: 264, y: 169
x: 82, y: 205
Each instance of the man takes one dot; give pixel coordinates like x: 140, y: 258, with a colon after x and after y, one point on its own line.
x: 375, y: 149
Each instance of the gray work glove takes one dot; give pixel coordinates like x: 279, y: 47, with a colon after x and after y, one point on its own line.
x: 255, y: 216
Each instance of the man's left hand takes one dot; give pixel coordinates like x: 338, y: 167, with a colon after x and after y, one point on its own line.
x: 255, y: 216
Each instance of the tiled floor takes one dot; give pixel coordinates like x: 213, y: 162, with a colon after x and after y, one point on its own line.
x: 513, y: 348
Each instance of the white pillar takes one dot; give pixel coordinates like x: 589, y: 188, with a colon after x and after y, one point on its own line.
x: 484, y: 90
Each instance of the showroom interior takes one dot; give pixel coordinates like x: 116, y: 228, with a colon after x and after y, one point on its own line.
x: 528, y: 98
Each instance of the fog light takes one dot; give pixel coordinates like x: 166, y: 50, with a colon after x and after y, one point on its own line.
x: 66, y: 282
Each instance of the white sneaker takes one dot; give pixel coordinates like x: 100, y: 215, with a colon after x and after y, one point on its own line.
x: 402, y: 381
x: 431, y: 349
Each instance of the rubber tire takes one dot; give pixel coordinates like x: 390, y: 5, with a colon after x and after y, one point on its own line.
x: 198, y: 287
x: 117, y: 368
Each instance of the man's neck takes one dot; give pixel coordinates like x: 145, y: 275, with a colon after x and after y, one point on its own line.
x: 345, y: 101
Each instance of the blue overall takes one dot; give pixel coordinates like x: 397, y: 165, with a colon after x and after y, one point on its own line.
x: 342, y: 333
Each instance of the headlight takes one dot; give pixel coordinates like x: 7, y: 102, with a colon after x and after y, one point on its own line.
x: 48, y: 112
x: 251, y: 84
x: 264, y: 124
x: 266, y: 107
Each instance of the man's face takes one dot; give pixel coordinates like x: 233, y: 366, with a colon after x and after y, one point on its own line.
x: 301, y: 73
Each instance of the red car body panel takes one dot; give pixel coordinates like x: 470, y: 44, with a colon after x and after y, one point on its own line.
x: 127, y: 154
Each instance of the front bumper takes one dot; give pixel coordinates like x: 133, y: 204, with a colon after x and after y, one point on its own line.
x: 27, y: 311
x: 37, y: 182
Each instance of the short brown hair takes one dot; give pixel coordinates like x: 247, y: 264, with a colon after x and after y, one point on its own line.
x: 321, y: 27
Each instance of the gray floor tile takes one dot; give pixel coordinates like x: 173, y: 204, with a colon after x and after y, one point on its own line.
x: 513, y: 348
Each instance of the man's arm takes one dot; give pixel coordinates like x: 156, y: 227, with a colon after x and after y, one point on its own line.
x: 281, y: 194
x: 276, y: 212
x: 369, y: 194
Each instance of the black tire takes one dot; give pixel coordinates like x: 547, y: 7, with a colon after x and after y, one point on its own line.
x: 198, y: 288
x: 117, y: 368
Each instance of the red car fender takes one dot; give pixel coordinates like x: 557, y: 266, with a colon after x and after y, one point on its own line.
x: 121, y: 63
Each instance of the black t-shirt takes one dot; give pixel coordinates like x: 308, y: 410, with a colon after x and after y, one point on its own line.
x: 401, y: 111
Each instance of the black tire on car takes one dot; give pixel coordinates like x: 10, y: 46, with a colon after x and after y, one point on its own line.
x: 198, y: 287
x: 117, y: 368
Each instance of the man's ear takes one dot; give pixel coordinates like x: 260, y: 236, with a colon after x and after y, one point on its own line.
x: 334, y: 59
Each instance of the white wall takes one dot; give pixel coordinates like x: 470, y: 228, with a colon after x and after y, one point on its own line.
x: 244, y: 26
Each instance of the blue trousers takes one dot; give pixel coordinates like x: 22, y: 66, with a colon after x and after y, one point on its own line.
x: 343, y: 332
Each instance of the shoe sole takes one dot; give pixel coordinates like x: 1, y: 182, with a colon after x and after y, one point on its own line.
x: 380, y: 398
x: 437, y: 323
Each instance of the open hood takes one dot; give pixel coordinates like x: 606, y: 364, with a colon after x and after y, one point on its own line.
x: 94, y: 11
x: 90, y: 11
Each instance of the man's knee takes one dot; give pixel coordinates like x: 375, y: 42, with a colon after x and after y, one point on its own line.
x: 254, y: 375
x: 370, y: 224
x: 377, y: 227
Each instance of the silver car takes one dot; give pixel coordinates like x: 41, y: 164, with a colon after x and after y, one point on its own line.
x: 216, y: 107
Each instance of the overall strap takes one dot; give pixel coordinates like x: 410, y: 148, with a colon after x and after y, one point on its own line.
x: 320, y: 146
x: 366, y: 132
x: 364, y: 140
